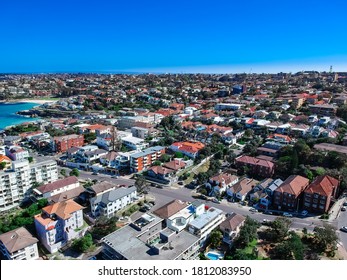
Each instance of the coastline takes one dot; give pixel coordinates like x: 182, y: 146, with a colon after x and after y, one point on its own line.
x: 26, y: 100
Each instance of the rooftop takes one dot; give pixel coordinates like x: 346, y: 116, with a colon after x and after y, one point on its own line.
x: 17, y: 239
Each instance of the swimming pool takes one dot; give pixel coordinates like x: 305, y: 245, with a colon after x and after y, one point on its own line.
x: 214, y: 256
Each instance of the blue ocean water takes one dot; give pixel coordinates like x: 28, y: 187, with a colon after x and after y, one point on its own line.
x: 8, y: 114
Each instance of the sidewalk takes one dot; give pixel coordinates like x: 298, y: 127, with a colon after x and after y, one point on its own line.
x: 335, y: 210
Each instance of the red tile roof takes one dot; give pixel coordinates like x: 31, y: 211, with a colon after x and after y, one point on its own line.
x: 294, y: 184
x: 323, y: 185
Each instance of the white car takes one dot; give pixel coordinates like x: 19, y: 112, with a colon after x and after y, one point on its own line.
x: 253, y: 210
x: 286, y: 214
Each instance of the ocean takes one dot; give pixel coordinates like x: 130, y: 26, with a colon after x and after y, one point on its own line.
x: 8, y: 114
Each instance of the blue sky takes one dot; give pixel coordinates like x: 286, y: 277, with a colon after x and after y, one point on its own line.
x: 173, y: 36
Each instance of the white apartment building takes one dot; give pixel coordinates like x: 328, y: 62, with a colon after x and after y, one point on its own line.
x: 19, y: 244
x: 59, y: 223
x: 203, y: 225
x: 16, y: 153
x: 15, y: 183
x: 108, y: 203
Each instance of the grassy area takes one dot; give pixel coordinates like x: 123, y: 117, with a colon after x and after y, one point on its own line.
x: 202, y: 168
x: 82, y: 227
x: 249, y: 249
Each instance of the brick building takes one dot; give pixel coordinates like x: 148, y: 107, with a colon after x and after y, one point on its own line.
x: 62, y: 143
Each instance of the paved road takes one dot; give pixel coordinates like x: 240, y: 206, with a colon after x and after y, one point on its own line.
x: 342, y: 221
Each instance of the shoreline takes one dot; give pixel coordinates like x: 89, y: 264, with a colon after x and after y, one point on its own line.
x: 26, y: 100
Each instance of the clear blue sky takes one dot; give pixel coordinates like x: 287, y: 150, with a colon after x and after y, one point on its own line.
x: 173, y: 35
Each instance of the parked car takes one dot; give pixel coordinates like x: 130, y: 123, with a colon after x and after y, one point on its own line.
x: 266, y: 222
x: 344, y: 229
x: 143, y: 209
x: 344, y: 204
x: 95, y: 173
x: 343, y: 208
x: 215, y: 200
x: 159, y: 186
x: 181, y: 183
x: 304, y: 213
x: 253, y: 210
x: 152, y: 202
x: 114, y: 176
x: 286, y: 214
x: 268, y: 213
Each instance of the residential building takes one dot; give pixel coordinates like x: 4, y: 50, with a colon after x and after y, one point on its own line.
x: 260, y: 167
x: 221, y: 182
x: 241, y: 189
x: 178, y: 214
x: 15, y: 183
x: 188, y: 148
x: 142, y: 132
x: 319, y: 195
x: 231, y: 227
x: 324, y: 109
x: 143, y: 160
x: 16, y: 153
x: 134, y: 143
x: 288, y: 194
x: 162, y: 174
x: 59, y: 223
x: 61, y: 144
x: 19, y: 244
x: 203, y: 224
x: 227, y: 107
x: 176, y: 164
x: 57, y: 187
x: 327, y: 147
x: 109, y: 202
x: 172, y: 232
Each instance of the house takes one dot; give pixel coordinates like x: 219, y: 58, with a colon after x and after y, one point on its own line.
x: 176, y: 164
x: 231, y: 227
x: 221, y: 182
x: 57, y: 187
x: 109, y: 202
x: 241, y: 189
x: 188, y: 148
x: 288, y: 194
x: 260, y: 167
x: 320, y: 193
x: 5, y: 163
x: 59, y: 223
x: 270, y: 148
x: 19, y: 244
x: 162, y: 174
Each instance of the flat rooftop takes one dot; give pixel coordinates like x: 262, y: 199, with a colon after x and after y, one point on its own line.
x: 205, y: 218
x: 131, y: 243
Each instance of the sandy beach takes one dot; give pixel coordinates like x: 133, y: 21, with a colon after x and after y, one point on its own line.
x: 38, y: 101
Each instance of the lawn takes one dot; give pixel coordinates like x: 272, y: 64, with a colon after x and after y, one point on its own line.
x: 203, y: 168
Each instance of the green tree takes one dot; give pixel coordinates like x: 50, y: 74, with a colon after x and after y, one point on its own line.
x: 179, y: 155
x: 157, y: 163
x: 165, y: 158
x: 279, y: 229
x: 83, y: 244
x: 30, y: 159
x: 75, y: 172
x: 2, y: 165
x: 141, y: 184
x: 216, y: 238
x: 290, y: 249
x: 325, y: 238
x: 248, y: 233
x: 63, y: 172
